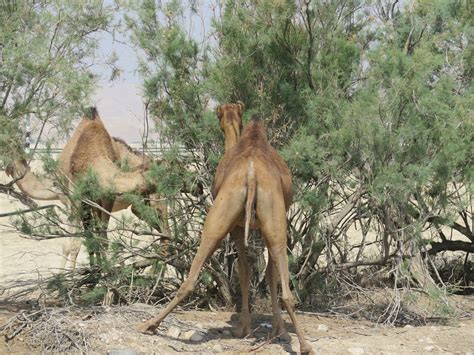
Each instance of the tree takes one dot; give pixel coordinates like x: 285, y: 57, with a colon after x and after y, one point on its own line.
x: 371, y: 103
x: 47, y: 51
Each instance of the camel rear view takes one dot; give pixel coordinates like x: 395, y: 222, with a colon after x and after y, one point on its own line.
x: 250, y: 177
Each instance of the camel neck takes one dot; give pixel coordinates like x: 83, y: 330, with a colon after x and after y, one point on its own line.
x: 232, y: 136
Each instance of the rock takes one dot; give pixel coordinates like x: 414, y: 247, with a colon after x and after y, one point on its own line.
x: 173, y: 332
x: 408, y: 326
x: 125, y: 351
x: 197, y: 337
x: 323, y: 328
x: 193, y: 336
x: 356, y: 351
x: 227, y: 332
x: 218, y: 348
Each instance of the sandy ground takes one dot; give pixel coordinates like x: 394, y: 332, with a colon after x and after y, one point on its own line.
x: 22, y: 258
x: 111, y: 330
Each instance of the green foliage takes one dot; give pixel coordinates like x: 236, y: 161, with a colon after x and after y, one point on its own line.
x: 58, y: 284
x: 356, y: 97
x: 45, y: 51
x: 94, y: 296
x: 89, y: 187
x: 370, y: 105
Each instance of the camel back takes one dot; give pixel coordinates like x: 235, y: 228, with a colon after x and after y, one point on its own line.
x: 134, y: 158
x: 254, y: 145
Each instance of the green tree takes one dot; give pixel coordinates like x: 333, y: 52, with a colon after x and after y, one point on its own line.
x: 46, y: 53
x: 370, y: 102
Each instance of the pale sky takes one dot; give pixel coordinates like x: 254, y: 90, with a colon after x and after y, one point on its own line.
x: 120, y: 102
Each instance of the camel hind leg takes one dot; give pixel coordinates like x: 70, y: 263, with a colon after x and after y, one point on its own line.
x: 271, y: 215
x: 219, y: 221
x: 278, y: 325
x: 244, y: 327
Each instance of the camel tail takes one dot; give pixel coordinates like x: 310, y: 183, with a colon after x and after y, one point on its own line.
x: 249, y: 204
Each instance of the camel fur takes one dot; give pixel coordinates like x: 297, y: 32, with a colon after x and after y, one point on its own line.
x: 91, y: 147
x: 251, y: 180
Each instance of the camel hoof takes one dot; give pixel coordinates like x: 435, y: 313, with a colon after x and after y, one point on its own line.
x: 285, y: 336
x: 146, y: 328
x: 282, y: 334
x: 306, y: 349
x: 241, y: 331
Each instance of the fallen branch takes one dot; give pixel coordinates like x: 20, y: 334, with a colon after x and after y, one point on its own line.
x: 451, y: 245
x: 34, y: 209
x: 9, y: 190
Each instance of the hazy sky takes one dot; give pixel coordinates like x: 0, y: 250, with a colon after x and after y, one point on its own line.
x: 120, y: 102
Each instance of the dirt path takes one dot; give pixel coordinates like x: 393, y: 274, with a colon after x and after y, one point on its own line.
x: 111, y: 330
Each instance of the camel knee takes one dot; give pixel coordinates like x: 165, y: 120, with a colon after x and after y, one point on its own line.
x: 289, y: 302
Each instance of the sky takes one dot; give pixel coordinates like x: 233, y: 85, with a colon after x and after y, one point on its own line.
x: 120, y: 102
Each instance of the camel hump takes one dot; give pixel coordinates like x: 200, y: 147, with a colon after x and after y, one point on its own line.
x: 92, y: 113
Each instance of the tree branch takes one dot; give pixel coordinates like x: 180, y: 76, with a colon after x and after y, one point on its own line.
x: 451, y: 245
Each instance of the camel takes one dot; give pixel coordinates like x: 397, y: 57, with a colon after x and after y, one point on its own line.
x: 252, y: 189
x: 92, y: 147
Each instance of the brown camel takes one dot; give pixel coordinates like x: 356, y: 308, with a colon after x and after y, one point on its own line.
x: 252, y: 188
x: 91, y: 147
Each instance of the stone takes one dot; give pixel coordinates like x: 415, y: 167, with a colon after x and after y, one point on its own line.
x: 218, y: 348
x: 356, y: 351
x: 173, y: 332
x: 227, y: 332
x: 125, y: 351
x: 408, y: 326
x: 323, y: 328
x: 196, y: 336
x: 193, y: 336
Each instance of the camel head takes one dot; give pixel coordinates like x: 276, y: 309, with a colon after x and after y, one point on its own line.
x: 230, y: 118
x: 17, y: 168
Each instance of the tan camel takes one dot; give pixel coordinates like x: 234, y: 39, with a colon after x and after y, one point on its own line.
x: 252, y: 188
x: 91, y: 147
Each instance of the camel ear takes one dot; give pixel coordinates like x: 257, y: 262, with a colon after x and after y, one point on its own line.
x: 219, y: 112
x: 241, y: 106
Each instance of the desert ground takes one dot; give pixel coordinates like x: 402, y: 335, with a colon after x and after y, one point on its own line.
x: 111, y: 329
